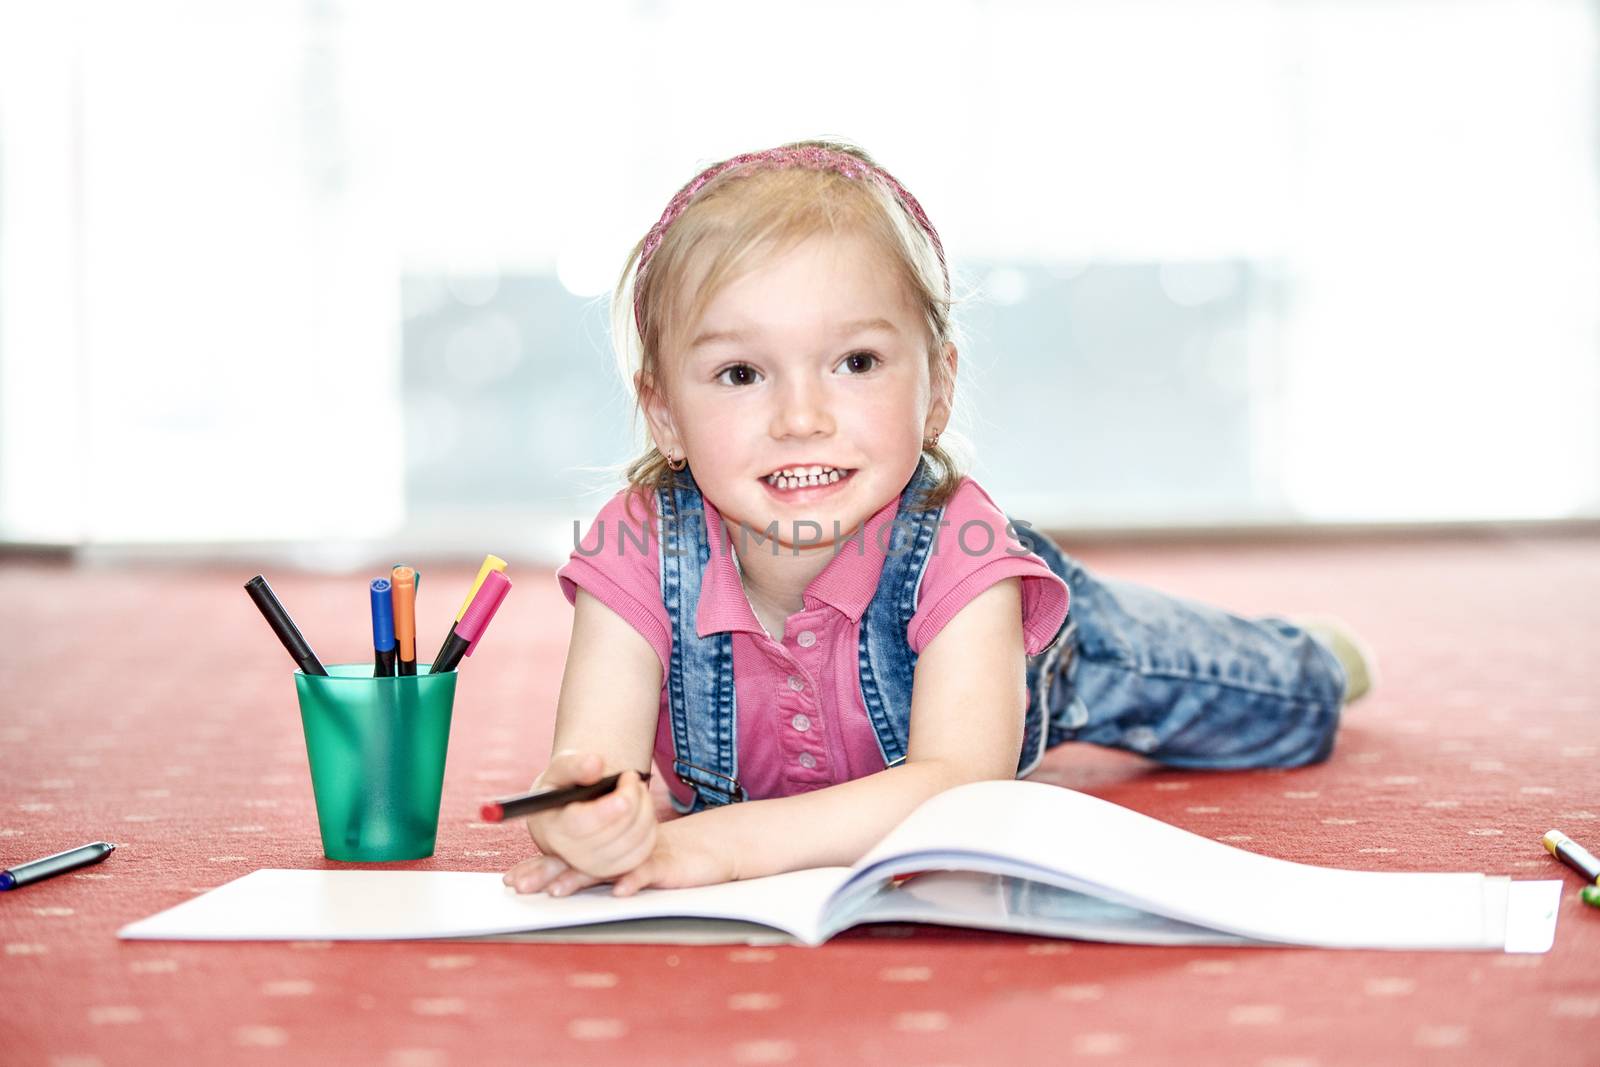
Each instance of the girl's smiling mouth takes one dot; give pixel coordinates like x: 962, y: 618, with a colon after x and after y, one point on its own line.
x: 806, y: 481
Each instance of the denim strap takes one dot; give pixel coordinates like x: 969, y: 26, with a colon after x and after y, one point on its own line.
x: 1047, y: 669
x: 700, y: 689
x: 885, y: 663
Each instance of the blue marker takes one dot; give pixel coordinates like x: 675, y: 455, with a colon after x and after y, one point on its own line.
x: 60, y: 863
x: 382, y: 629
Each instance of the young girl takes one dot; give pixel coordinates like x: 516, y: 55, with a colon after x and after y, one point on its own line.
x: 804, y: 611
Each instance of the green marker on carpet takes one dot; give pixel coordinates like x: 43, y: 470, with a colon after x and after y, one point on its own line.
x: 1591, y: 895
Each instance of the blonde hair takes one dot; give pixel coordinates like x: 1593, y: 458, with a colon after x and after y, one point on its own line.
x: 720, y: 236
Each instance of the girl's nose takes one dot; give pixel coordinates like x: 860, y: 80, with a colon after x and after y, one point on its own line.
x: 802, y: 410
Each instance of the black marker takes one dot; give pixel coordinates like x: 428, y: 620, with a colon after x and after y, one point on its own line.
x: 60, y: 863
x: 283, y: 626
x: 528, y: 803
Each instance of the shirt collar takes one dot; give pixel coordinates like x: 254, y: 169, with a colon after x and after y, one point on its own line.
x: 847, y: 583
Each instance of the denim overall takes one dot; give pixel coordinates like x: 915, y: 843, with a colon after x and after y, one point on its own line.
x: 1130, y: 668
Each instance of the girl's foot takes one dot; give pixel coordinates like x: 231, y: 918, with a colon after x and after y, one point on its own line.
x: 1359, y: 662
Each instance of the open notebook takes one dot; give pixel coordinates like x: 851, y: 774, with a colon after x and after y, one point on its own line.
x: 1016, y: 856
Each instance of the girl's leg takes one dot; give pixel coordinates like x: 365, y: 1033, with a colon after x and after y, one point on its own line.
x: 1183, y: 682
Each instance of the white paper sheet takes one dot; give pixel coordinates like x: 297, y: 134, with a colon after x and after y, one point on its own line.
x: 384, y: 905
x: 1531, y: 909
x: 272, y: 905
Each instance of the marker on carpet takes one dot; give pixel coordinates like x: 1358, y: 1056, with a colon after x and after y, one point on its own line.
x: 59, y: 863
x: 1573, y: 855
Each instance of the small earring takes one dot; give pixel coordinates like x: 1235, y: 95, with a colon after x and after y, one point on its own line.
x: 931, y: 441
x: 677, y: 464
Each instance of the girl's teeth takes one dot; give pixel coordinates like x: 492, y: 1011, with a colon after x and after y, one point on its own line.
x: 784, y: 482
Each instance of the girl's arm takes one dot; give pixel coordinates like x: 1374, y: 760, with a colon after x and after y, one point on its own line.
x: 605, y: 723
x: 968, y: 702
x: 610, y: 690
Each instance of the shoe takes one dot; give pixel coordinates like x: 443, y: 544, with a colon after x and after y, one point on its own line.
x: 1359, y: 662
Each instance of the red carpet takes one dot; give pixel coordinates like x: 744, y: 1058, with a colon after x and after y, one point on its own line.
x: 151, y: 707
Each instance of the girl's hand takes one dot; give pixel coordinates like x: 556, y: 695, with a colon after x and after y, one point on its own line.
x: 601, y: 838
x: 681, y: 858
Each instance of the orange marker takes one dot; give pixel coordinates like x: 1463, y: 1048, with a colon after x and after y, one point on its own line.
x: 403, y: 580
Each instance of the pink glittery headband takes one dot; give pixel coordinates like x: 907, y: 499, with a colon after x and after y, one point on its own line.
x: 811, y: 157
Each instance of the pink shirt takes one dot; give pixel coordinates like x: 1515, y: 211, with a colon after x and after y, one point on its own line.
x: 802, y: 722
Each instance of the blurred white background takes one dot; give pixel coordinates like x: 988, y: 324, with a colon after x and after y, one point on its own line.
x: 331, y: 275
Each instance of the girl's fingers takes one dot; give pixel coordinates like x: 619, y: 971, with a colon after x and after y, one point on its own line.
x: 571, y: 767
x: 637, y: 861
x: 532, y: 875
x: 617, y: 853
x: 636, y: 843
x: 638, y: 878
x: 622, y: 835
x: 599, y: 820
x: 631, y: 851
x: 522, y: 868
x: 571, y: 882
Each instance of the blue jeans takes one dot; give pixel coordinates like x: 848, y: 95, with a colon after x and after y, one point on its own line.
x: 1184, y: 683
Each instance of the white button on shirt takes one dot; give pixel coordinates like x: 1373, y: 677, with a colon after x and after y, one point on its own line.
x: 806, y: 638
x: 795, y: 683
x: 807, y: 760
x: 801, y: 723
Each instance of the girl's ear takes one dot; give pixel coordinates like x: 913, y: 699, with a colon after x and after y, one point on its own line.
x: 657, y: 413
x: 944, y: 397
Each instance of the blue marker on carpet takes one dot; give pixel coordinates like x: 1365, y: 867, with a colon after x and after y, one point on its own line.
x: 60, y: 863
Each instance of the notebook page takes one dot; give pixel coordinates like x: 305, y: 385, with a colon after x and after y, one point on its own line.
x: 994, y: 902
x: 650, y: 932
x: 323, y: 905
x: 1083, y: 843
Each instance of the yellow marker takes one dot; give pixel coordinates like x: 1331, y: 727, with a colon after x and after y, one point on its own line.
x: 490, y: 563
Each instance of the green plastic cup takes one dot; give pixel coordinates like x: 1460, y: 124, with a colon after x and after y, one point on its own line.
x: 377, y: 748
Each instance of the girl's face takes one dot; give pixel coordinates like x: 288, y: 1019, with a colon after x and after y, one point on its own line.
x: 814, y: 359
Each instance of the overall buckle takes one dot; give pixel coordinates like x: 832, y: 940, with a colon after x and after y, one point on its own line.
x: 735, y: 794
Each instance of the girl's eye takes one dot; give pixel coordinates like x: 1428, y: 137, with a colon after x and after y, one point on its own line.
x: 746, y: 368
x: 872, y: 360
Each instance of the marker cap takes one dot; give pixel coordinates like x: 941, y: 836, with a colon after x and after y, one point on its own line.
x: 490, y: 563
x: 382, y: 615
x: 403, y: 581
x: 495, y: 587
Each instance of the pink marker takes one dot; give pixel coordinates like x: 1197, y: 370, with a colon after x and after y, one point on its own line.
x: 465, y: 634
